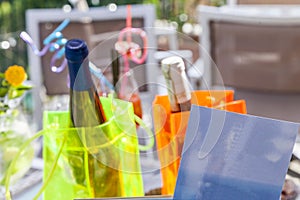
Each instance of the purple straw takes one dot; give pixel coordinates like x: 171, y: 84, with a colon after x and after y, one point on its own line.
x: 30, y: 42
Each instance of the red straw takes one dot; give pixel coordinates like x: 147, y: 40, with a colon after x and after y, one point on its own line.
x: 128, y: 23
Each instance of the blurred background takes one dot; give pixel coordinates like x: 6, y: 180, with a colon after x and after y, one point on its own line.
x: 180, y: 14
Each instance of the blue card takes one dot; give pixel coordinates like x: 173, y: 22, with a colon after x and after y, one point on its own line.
x: 233, y: 156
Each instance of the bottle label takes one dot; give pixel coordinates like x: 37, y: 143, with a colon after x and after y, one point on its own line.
x: 182, y: 90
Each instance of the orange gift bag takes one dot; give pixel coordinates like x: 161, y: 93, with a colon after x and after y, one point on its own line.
x: 170, y: 128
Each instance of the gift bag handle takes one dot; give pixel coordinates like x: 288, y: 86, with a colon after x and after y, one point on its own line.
x: 43, y: 132
x: 150, y: 144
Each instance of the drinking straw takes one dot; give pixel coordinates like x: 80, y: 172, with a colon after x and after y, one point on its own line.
x: 56, y: 46
x: 103, y: 80
x: 128, y: 49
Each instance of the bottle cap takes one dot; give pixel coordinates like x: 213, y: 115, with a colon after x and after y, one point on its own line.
x: 76, y: 50
x: 173, y: 61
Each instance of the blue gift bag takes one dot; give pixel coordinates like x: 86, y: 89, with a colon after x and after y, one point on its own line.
x: 227, y: 155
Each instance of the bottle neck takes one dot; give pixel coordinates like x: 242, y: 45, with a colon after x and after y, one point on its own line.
x: 80, y: 78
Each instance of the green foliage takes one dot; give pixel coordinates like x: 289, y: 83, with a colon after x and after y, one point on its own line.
x: 118, y: 2
x: 218, y: 2
x: 5, y: 8
x: 157, y: 6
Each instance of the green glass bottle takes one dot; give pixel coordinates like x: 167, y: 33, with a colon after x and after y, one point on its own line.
x: 85, y: 106
x: 86, y: 111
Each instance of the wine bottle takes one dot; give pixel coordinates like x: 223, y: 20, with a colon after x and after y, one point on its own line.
x: 126, y: 85
x: 86, y: 111
x: 85, y: 106
x: 179, y: 93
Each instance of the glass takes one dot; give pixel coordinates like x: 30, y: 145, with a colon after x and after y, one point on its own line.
x: 14, y: 130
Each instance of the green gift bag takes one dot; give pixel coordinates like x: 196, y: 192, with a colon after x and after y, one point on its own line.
x: 101, y: 161
x: 89, y: 162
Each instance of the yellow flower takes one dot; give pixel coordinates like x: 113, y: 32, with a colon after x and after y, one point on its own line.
x: 15, y: 75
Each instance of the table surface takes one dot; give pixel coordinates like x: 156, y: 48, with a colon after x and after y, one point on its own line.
x: 150, y: 169
x: 27, y: 188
